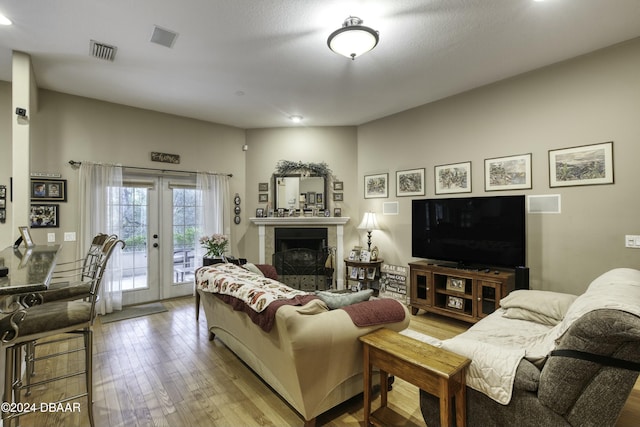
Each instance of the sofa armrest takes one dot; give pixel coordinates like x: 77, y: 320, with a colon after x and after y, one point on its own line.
x: 527, y: 376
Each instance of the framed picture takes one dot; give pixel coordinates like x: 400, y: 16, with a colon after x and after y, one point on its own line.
x: 354, y: 255
x: 338, y: 197
x: 259, y: 213
x: 319, y: 198
x: 410, y: 182
x: 3, y: 203
x: 49, y: 190
x: 3, y: 192
x: 263, y: 198
x: 354, y: 273
x: 338, y: 186
x: 44, y: 216
x: 585, y: 165
x: 456, y: 303
x: 337, y: 212
x: 26, y: 236
x: 311, y: 198
x: 361, y: 273
x: 371, y: 273
x: 365, y: 256
x: 455, y: 284
x: 507, y: 173
x: 280, y: 212
x: 453, y: 178
x: 263, y: 186
x: 376, y: 186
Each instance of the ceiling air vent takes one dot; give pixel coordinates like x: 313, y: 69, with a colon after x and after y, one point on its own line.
x: 163, y: 37
x: 102, y: 50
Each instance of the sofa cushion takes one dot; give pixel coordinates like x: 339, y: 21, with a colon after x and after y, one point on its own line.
x: 544, y: 307
x: 315, y: 306
x: 336, y: 300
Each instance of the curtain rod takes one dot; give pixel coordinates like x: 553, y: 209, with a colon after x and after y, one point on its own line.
x: 74, y: 163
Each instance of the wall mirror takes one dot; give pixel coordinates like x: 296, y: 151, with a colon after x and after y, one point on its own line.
x: 298, y: 191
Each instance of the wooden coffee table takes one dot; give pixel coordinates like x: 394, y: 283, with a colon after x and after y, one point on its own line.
x: 438, y: 372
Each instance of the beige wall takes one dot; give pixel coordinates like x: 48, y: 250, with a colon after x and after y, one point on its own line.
x: 336, y: 146
x: 587, y: 100
x: 76, y: 128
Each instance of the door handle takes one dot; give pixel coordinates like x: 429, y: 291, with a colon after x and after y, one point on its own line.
x: 155, y: 236
x: 155, y: 245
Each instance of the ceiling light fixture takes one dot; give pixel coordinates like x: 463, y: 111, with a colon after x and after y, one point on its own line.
x: 4, y: 20
x: 296, y: 119
x: 353, y: 39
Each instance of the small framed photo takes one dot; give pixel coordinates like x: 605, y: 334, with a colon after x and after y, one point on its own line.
x: 507, y: 173
x: 365, y: 256
x: 376, y: 186
x: 26, y: 236
x: 585, y: 165
x: 456, y: 303
x: 259, y: 213
x: 410, y: 182
x: 337, y: 212
x: 280, y: 212
x: 354, y: 255
x: 49, y: 190
x: 44, y: 216
x: 455, y: 284
x: 354, y: 273
x: 453, y: 178
x: 311, y: 198
x: 338, y: 185
x: 338, y: 197
x: 371, y: 273
x: 319, y: 198
x: 263, y: 197
x: 327, y: 213
x: 361, y: 273
x: 3, y: 192
x: 263, y: 186
x: 3, y: 203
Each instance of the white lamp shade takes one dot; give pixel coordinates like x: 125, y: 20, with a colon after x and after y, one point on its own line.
x: 369, y: 222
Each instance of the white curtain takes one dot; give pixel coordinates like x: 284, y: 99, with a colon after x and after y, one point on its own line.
x: 214, y: 216
x: 99, y: 192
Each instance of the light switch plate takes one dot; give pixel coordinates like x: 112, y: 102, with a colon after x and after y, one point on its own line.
x: 51, y: 237
x: 70, y: 236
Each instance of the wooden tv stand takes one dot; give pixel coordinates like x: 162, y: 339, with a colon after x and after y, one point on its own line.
x: 463, y: 294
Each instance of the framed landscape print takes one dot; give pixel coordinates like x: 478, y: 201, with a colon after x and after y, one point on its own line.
x: 507, y: 173
x: 49, y: 190
x: 584, y: 165
x: 376, y: 186
x: 453, y: 178
x: 410, y: 182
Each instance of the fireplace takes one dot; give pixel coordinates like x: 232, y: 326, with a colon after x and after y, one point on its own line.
x: 299, y: 257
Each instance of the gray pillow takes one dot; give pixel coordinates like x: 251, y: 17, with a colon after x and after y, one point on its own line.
x: 335, y: 300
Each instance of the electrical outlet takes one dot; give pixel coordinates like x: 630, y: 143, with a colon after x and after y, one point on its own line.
x: 51, y: 237
x: 632, y: 241
x: 70, y: 236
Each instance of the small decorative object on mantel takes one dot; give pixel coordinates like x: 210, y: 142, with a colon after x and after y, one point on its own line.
x: 216, y: 245
x: 165, y: 157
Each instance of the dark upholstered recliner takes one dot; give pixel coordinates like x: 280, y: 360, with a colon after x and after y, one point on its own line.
x: 566, y: 391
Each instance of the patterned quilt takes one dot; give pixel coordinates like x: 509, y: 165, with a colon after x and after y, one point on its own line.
x: 254, y: 290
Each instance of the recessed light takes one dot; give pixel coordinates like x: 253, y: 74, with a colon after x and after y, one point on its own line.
x: 4, y: 20
x: 296, y: 118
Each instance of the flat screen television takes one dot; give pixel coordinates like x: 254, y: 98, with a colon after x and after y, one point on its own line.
x: 477, y: 232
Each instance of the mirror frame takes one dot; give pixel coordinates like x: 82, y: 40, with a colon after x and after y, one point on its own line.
x: 274, y: 185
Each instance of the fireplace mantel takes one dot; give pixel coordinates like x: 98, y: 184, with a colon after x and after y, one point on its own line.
x: 300, y: 220
x: 336, y: 223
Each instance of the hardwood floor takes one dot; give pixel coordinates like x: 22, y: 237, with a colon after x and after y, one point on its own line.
x: 161, y: 370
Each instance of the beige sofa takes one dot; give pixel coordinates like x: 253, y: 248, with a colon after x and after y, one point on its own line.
x: 313, y: 361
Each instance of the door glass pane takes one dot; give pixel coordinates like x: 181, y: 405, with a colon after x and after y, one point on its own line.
x: 184, y: 234
x: 133, y: 206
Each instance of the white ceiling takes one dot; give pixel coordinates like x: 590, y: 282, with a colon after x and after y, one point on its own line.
x: 254, y: 63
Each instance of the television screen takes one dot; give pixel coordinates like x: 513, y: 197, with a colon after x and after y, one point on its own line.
x: 470, y: 231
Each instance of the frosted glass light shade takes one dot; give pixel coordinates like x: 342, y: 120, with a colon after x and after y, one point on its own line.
x: 352, y: 39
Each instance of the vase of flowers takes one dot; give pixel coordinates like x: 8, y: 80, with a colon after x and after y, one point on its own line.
x: 215, y: 245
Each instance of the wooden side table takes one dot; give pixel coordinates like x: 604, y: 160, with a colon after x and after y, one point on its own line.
x: 432, y: 369
x: 371, y: 271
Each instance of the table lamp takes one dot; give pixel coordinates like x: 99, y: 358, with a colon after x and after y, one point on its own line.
x: 369, y: 223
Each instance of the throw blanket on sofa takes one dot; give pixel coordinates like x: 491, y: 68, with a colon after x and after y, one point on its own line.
x: 496, y: 344
x: 375, y: 312
x: 256, y: 291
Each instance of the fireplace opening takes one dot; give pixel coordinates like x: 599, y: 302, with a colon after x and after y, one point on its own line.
x: 299, y: 257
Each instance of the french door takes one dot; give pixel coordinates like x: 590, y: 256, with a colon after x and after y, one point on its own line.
x: 158, y: 225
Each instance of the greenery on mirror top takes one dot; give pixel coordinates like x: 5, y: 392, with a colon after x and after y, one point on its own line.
x: 285, y: 167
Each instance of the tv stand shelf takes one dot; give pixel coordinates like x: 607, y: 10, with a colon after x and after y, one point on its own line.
x: 464, y: 294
